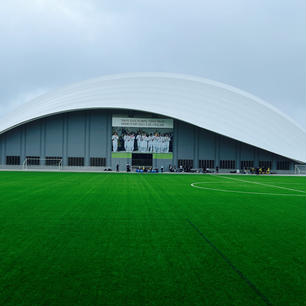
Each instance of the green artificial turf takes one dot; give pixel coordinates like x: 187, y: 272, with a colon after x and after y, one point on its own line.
x: 151, y: 239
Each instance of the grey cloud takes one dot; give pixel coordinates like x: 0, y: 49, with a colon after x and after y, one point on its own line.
x: 257, y: 46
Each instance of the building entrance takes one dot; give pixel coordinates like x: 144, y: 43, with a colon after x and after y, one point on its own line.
x: 142, y: 159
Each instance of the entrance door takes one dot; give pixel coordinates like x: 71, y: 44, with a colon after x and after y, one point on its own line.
x: 142, y: 159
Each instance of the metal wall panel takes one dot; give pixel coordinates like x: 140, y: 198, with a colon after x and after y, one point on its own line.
x: 13, y: 142
x: 247, y: 152
x: 122, y: 162
x: 98, y: 134
x: 207, y: 145
x: 54, y: 136
x: 76, y: 134
x: 185, y: 141
x: 227, y: 148
x: 32, y: 138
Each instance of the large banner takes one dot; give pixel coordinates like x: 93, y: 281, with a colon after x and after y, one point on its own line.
x: 142, y: 122
x: 143, y: 135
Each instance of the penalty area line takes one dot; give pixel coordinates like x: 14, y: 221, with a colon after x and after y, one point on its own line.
x: 245, y: 192
x: 257, y: 183
x: 233, y: 267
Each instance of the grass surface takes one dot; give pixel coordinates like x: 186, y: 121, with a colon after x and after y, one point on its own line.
x: 137, y: 239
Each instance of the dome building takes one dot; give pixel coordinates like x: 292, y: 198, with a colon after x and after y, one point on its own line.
x: 151, y: 120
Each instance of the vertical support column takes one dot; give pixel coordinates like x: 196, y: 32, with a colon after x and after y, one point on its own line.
x: 238, y: 154
x: 196, y: 147
x: 65, y: 139
x: 274, y: 163
x: 217, y: 151
x: 154, y: 162
x: 291, y: 166
x: 3, y: 147
x: 108, y: 139
x: 256, y: 158
x: 87, y: 138
x: 175, y: 143
x: 88, y: 135
x: 23, y: 144
x: 43, y: 138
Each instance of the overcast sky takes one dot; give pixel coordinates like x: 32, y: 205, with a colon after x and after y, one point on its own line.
x: 257, y: 46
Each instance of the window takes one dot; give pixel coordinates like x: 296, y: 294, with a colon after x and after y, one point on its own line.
x: 205, y: 163
x: 283, y: 165
x: 76, y: 161
x: 265, y: 164
x: 53, y: 160
x: 97, y: 161
x: 13, y: 160
x: 33, y: 160
x: 185, y: 163
x: 246, y: 164
x: 227, y: 164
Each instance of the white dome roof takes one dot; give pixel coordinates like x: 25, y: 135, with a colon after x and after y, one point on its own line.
x: 204, y: 103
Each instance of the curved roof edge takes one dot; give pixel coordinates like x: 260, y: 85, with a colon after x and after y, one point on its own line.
x: 149, y: 91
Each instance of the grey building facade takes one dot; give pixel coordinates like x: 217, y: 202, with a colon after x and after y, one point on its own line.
x: 83, y: 139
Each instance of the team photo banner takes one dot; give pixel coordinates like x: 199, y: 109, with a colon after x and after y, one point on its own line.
x: 142, y: 122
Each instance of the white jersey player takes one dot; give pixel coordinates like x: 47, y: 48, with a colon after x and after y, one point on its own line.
x: 160, y: 144
x: 163, y: 148
x: 168, y: 139
x: 125, y: 139
x: 145, y: 143
x: 140, y: 143
x: 138, y: 137
x: 132, y: 141
x: 115, y: 142
x: 154, y: 143
x: 150, y: 143
x: 128, y: 143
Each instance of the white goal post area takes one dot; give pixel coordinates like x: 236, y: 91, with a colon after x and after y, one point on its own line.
x: 300, y: 169
x: 43, y: 163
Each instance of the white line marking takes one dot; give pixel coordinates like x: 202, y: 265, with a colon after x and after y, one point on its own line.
x: 302, y: 184
x: 245, y: 192
x: 268, y: 185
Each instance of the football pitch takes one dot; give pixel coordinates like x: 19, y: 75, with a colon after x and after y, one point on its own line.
x: 152, y: 239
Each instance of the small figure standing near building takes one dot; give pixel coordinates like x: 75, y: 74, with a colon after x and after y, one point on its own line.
x: 268, y: 171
